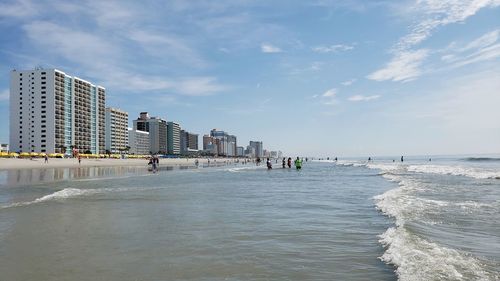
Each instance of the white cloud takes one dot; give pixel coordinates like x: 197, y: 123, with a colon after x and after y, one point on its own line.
x: 330, y: 93
x: 268, y: 48
x: 18, y: 9
x: 435, y: 13
x: 4, y: 95
x: 429, y: 15
x: 332, y: 48
x: 329, y: 97
x: 348, y: 82
x: 363, y: 98
x: 403, y: 67
x: 199, y: 86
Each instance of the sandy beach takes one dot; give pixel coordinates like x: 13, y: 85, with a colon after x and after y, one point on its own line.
x: 23, y: 163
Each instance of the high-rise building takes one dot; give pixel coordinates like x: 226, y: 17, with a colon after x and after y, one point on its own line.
x: 51, y: 111
x: 138, y: 142
x: 157, y: 129
x: 173, y: 138
x: 116, y: 130
x: 257, y: 145
x: 240, y: 151
x: 192, y: 141
x: 211, y: 145
x: 221, y: 136
x: 184, y: 142
x: 231, y: 145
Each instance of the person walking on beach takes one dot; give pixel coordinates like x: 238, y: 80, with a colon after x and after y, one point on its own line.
x: 298, y: 163
x: 284, y: 163
x: 289, y: 162
x: 402, y: 159
x: 46, y: 158
x: 269, y: 164
x: 79, y: 160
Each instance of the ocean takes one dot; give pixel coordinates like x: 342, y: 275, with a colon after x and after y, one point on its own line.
x: 344, y: 220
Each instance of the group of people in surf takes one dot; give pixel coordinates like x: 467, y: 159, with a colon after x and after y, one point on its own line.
x: 153, y: 163
x: 286, y: 162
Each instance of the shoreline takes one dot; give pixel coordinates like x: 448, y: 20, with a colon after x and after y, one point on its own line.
x: 39, y: 163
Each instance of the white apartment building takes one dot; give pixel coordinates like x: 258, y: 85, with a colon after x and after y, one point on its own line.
x: 173, y: 138
x: 138, y: 142
x: 51, y: 111
x: 116, y: 130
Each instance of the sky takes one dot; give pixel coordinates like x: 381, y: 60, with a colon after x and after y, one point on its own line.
x: 318, y: 78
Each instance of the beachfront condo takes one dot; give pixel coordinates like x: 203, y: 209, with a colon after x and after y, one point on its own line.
x: 51, y: 111
x: 138, y: 142
x: 116, y: 130
x: 157, y: 129
x: 173, y: 138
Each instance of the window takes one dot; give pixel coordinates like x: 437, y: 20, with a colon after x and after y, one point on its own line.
x: 44, y: 116
x: 20, y: 132
x: 20, y: 84
x: 43, y: 111
x: 43, y: 78
x: 43, y: 82
x: 44, y: 97
x: 20, y: 108
x: 43, y: 92
x: 44, y: 106
x: 32, y: 83
x: 44, y: 136
x: 43, y: 126
x: 44, y: 131
x: 44, y: 101
x: 43, y: 141
x: 43, y: 73
x: 20, y: 89
x: 43, y: 87
x: 44, y: 121
x: 21, y: 103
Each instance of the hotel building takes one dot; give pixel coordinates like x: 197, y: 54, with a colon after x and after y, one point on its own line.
x: 173, y: 138
x: 138, y: 142
x: 116, y: 130
x: 51, y: 111
x: 157, y: 129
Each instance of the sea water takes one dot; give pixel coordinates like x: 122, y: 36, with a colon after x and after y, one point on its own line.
x: 344, y: 220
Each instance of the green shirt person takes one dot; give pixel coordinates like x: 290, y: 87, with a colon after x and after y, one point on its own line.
x: 298, y: 163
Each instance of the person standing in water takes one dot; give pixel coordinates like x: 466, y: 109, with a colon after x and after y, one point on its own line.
x: 289, y: 162
x: 283, y: 163
x: 298, y: 163
x: 269, y: 164
x: 402, y: 159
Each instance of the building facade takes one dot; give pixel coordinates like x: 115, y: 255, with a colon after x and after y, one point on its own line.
x: 174, y: 138
x: 116, y: 130
x: 258, y: 147
x: 210, y: 145
x: 138, y: 142
x: 192, y: 141
x: 51, y: 111
x: 157, y: 129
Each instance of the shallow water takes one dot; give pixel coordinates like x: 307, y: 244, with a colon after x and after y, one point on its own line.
x: 330, y: 221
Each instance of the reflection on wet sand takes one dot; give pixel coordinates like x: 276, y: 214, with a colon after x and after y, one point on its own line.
x: 29, y: 176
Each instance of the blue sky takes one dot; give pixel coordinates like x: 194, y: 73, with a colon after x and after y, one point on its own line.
x: 319, y: 77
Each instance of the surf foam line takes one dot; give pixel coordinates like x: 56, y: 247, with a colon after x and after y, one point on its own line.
x: 69, y: 193
x: 418, y: 259
x: 455, y: 171
x: 414, y: 257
